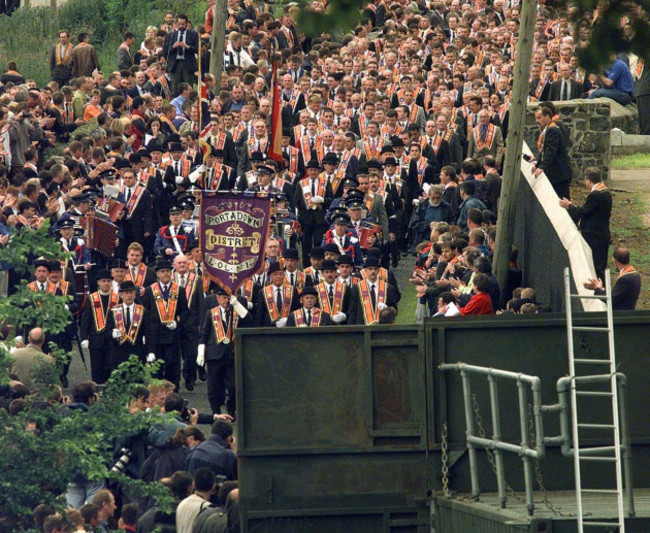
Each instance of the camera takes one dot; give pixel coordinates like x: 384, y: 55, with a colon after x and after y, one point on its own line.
x: 124, y: 460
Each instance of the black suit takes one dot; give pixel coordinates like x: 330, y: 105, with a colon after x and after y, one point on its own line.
x: 220, y: 359
x: 121, y: 352
x: 164, y: 340
x: 355, y: 314
x: 139, y: 221
x: 625, y: 292
x: 312, y: 221
x: 325, y: 319
x: 574, y: 90
x: 554, y: 161
x: 191, y: 327
x: 99, y: 342
x: 181, y: 70
x: 594, y: 218
x: 263, y: 318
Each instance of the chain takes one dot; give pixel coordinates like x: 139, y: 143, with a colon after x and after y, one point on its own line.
x: 538, y: 470
x: 481, y: 431
x: 445, y: 463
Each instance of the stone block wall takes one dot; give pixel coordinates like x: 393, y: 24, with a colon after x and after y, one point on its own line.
x: 589, y: 123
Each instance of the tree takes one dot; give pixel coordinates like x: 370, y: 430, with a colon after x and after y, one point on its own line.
x: 44, y: 446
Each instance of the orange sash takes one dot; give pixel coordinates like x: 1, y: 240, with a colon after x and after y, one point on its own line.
x: 99, y: 313
x: 166, y: 309
x: 370, y: 314
x: 489, y: 137
x: 50, y: 287
x: 135, y: 199
x: 220, y: 332
x: 306, y: 190
x: 139, y: 275
x: 269, y: 296
x: 299, y: 319
x: 134, y: 328
x: 324, y: 301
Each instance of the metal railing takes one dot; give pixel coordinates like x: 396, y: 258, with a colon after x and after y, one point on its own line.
x: 525, y: 449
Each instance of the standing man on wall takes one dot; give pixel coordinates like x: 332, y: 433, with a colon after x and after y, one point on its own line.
x: 180, y: 49
x: 553, y: 154
x: 594, y: 218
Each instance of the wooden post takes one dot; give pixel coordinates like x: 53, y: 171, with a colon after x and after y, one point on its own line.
x: 512, y: 165
x: 218, y: 40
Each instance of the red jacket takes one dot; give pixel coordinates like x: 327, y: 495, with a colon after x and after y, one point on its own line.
x: 479, y: 304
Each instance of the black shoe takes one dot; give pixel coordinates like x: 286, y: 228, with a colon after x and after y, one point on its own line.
x: 394, y: 263
x: 404, y: 253
x: 202, y: 376
x: 64, y: 382
x: 189, y: 385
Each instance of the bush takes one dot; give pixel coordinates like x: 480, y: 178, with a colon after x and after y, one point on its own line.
x: 29, y: 34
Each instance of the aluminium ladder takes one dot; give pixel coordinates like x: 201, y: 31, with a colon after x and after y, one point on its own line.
x: 606, y: 455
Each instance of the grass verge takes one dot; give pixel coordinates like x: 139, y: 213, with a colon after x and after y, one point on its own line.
x: 631, y: 161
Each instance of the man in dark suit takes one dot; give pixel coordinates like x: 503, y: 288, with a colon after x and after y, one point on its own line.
x: 553, y: 154
x: 216, y: 349
x: 309, y: 316
x: 594, y: 218
x: 180, y: 49
x: 167, y: 305
x: 137, y: 222
x: 277, y: 300
x: 565, y: 88
x: 370, y: 295
x: 625, y: 292
x: 94, y: 334
x: 126, y: 327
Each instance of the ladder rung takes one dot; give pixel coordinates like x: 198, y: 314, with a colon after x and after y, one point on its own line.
x: 600, y: 491
x: 593, y: 393
x: 597, y: 458
x: 590, y: 328
x: 593, y: 361
x: 601, y: 524
x: 597, y: 426
x: 589, y: 296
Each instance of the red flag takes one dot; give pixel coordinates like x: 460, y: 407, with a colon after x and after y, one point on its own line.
x: 275, y: 150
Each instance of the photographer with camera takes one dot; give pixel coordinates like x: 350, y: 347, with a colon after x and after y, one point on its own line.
x: 219, y: 452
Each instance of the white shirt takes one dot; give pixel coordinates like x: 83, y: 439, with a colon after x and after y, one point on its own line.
x: 187, y: 511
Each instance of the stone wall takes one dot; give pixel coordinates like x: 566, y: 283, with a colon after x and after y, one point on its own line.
x: 589, y: 123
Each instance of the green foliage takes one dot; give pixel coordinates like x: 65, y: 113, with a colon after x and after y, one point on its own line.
x: 631, y: 161
x: 28, y: 35
x: 340, y: 17
x: 44, y: 448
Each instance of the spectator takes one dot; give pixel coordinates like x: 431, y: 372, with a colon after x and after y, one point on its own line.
x: 216, y: 453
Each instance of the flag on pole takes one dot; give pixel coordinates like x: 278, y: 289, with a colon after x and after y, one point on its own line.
x: 275, y: 150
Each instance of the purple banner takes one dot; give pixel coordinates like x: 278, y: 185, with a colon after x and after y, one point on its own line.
x: 233, y: 233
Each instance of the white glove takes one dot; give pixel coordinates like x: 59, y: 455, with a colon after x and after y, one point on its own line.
x: 317, y: 200
x: 249, y: 305
x: 18, y: 338
x: 194, y: 176
x: 288, y: 231
x: 281, y: 323
x: 116, y: 333
x: 65, y: 306
x: 200, y: 357
x: 179, y: 180
x: 172, y: 325
x: 239, y: 308
x: 144, y: 340
x: 339, y: 317
x: 416, y: 201
x: 381, y: 306
x: 85, y: 344
x: 151, y: 358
